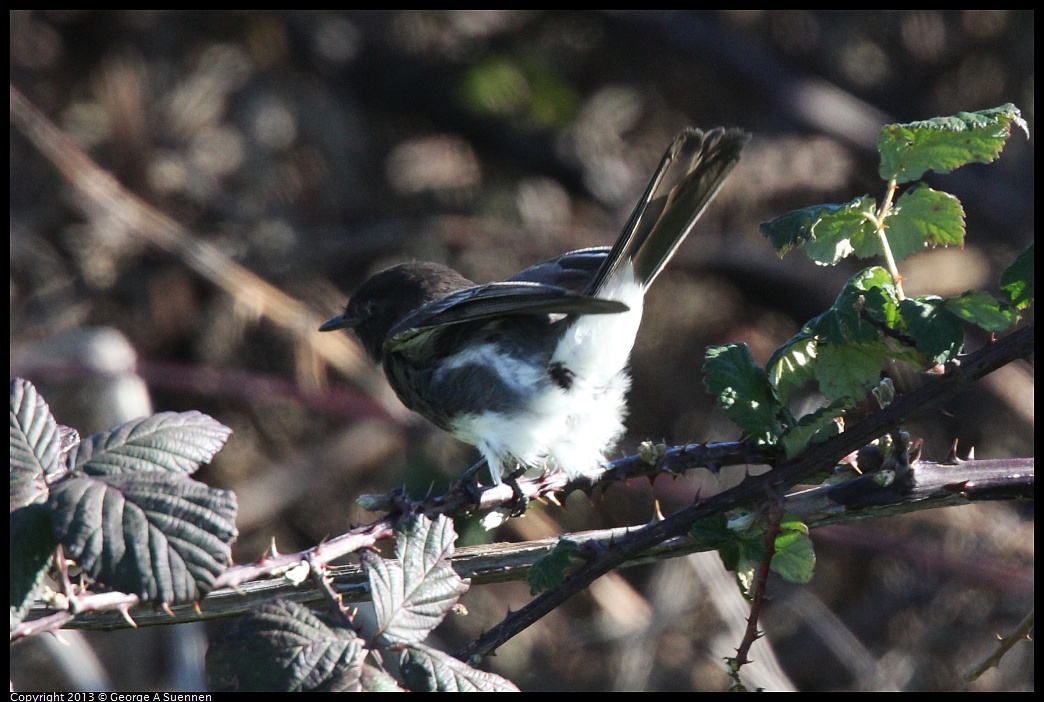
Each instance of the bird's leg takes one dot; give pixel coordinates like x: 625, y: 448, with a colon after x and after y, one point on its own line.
x: 468, y: 482
x: 519, y: 502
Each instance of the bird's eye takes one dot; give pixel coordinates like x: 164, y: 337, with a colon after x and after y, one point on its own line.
x: 364, y: 310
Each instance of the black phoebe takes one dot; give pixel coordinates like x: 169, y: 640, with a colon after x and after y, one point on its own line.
x: 533, y: 370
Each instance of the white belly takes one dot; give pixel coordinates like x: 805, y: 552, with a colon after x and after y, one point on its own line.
x: 567, y: 428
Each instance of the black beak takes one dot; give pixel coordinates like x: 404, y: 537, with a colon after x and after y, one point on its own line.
x: 341, y: 321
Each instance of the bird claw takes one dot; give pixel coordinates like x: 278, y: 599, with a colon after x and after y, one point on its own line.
x: 468, y: 482
x: 519, y: 502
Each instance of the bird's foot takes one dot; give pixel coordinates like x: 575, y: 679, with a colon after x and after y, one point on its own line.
x: 520, y: 502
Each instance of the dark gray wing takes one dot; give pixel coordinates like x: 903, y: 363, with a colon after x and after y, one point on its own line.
x: 573, y: 271
x: 510, y: 297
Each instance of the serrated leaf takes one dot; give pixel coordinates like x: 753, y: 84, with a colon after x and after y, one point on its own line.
x: 175, y: 442
x: 68, y: 439
x: 845, y: 348
x: 422, y: 544
x: 923, y: 217
x: 790, y: 366
x: 869, y: 293
x: 551, y: 569
x: 745, y: 572
x: 845, y: 372
x: 731, y: 556
x: 161, y: 536
x: 792, y: 523
x: 823, y: 232
x: 1017, y: 279
x: 795, y: 558
x: 793, y: 229
x: 936, y: 331
x: 32, y: 546
x: 413, y: 593
x: 983, y: 310
x: 880, y: 303
x: 752, y: 542
x: 35, y: 445
x: 812, y: 428
x: 425, y: 669
x: 743, y: 391
x: 283, y: 646
x: 375, y: 680
x: 712, y: 530
x: 945, y: 143
x: 738, y: 549
x: 837, y: 235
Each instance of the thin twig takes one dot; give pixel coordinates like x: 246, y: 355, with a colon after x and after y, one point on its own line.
x: 759, y: 592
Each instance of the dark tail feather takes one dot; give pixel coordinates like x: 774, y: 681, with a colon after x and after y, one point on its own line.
x: 690, y: 175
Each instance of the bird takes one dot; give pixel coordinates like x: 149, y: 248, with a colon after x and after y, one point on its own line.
x: 534, y: 370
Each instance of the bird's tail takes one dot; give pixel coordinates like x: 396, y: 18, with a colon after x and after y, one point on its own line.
x: 690, y: 175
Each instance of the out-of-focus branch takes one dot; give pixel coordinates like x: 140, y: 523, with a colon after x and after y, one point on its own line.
x: 252, y: 293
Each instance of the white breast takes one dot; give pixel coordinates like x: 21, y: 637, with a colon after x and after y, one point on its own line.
x: 571, y: 428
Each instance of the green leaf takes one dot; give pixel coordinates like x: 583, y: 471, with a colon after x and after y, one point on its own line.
x: 922, y: 217
x: 812, y: 428
x: 823, y: 232
x: 846, y: 372
x: 739, y: 548
x: 550, y: 570
x: 712, y: 530
x: 742, y: 548
x: 32, y: 546
x: 945, y: 143
x: 177, y: 442
x: 1017, y: 279
x: 936, y: 331
x: 879, y: 302
x: 425, y: 669
x: 745, y: 572
x: 795, y: 558
x: 283, y: 646
x: 983, y: 310
x: 161, y: 536
x: 791, y: 366
x: 745, y: 553
x: 731, y: 555
x: 35, y: 445
x: 845, y: 348
x: 869, y: 293
x: 743, y: 391
x: 413, y: 593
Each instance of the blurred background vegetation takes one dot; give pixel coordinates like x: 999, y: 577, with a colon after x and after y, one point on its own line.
x: 312, y: 148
